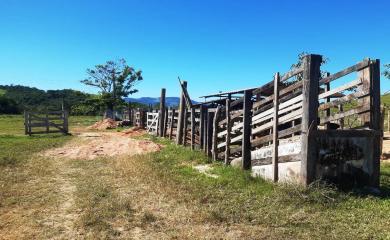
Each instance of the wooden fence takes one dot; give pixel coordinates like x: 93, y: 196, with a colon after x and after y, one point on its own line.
x: 43, y: 123
x: 301, y: 126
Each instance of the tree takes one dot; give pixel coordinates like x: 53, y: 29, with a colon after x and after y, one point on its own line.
x: 325, y: 60
x: 116, y: 80
x: 386, y: 73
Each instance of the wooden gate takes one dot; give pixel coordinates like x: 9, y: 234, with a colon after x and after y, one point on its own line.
x: 43, y: 123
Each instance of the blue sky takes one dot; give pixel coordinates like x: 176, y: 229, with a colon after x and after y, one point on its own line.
x: 214, y: 45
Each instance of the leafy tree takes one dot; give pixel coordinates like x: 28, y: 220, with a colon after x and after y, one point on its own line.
x: 116, y: 80
x: 325, y: 60
x: 386, y: 73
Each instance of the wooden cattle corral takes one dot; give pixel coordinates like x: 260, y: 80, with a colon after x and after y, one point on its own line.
x: 301, y: 126
x: 44, y: 123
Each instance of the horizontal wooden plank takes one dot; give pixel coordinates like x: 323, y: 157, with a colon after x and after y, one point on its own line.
x: 338, y: 116
x: 291, y: 74
x: 344, y: 72
x: 342, y: 100
x: 44, y: 132
x: 340, y: 89
x: 281, y: 159
x: 283, y: 133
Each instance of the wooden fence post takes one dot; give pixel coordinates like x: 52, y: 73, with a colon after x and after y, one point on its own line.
x: 185, y: 126
x: 228, y: 130
x: 275, y: 155
x: 162, y: 113
x: 205, y: 128
x: 192, y: 128
x: 165, y: 123
x: 246, y: 131
x: 172, y: 123
x: 375, y: 119
x: 201, y: 126
x: 25, y: 122
x: 327, y: 100
x: 209, y: 136
x: 215, y: 134
x: 66, y: 123
x: 29, y: 123
x: 310, y: 81
x: 180, y: 122
x: 388, y: 119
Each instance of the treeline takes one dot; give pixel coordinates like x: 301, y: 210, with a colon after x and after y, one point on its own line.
x: 14, y: 99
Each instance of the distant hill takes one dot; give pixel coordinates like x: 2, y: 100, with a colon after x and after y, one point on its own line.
x: 170, y: 101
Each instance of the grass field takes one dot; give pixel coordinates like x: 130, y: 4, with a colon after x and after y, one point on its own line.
x: 160, y: 195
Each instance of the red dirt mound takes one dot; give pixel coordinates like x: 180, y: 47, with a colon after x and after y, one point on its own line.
x: 107, y: 123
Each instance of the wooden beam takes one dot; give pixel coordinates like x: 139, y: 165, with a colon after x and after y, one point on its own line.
x: 162, y: 113
x: 375, y: 119
x: 172, y: 123
x: 275, y: 156
x: 180, y: 122
x: 215, y: 134
x: 209, y: 136
x: 246, y: 132
x: 311, y: 77
x: 201, y: 126
x: 192, y: 128
x: 228, y: 130
x: 344, y: 72
x: 185, y: 127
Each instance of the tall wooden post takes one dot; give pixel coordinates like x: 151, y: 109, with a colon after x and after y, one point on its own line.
x: 310, y: 81
x: 201, y: 126
x: 29, y: 123
x: 375, y: 119
x: 228, y: 130
x: 209, y: 136
x: 185, y: 127
x: 172, y: 123
x: 65, y: 122
x: 192, y: 128
x: 25, y: 122
x: 341, y: 121
x: 205, y: 128
x: 162, y: 113
x: 388, y: 119
x: 180, y: 122
x: 246, y: 131
x: 275, y: 154
x: 215, y: 134
x: 327, y: 100
x: 165, y: 123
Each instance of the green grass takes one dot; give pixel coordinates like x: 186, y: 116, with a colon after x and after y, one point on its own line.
x: 290, y: 211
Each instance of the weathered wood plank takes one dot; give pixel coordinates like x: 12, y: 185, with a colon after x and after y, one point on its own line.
x: 162, y: 113
x: 340, y: 89
x: 215, y: 133
x: 341, y: 115
x: 344, y: 72
x: 311, y: 78
x: 246, y: 132
x: 275, y: 128
x: 228, y: 130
